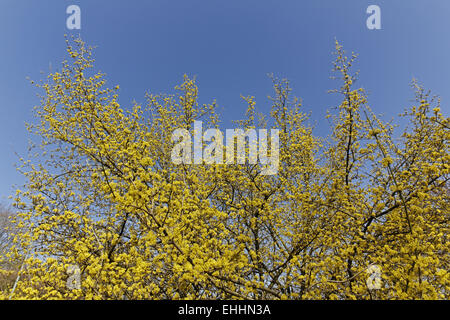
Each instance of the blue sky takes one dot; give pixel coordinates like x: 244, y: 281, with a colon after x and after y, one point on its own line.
x: 230, y: 46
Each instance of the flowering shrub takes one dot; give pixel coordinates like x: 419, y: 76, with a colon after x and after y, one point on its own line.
x: 103, y: 195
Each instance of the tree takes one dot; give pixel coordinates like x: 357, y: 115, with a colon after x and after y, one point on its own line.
x: 103, y: 195
x: 8, y: 270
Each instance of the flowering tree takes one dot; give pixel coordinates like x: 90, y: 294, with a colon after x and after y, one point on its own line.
x: 104, y: 198
x: 8, y: 270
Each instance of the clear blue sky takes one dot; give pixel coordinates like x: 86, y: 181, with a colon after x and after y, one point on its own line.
x: 229, y: 45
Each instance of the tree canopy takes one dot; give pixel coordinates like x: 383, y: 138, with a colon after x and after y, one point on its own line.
x: 103, y: 195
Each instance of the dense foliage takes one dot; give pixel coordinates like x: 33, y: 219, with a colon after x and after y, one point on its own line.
x: 103, y: 195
